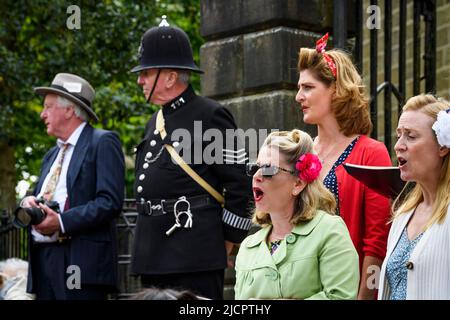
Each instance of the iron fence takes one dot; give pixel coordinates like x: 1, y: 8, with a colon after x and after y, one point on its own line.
x: 423, y: 56
x: 126, y: 223
x: 14, y: 243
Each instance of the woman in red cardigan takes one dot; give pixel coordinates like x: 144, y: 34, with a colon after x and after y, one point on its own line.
x: 332, y: 97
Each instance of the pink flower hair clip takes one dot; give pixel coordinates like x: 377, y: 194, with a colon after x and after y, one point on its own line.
x: 308, y: 167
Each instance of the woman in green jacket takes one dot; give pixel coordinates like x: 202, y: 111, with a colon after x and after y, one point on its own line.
x: 303, y: 250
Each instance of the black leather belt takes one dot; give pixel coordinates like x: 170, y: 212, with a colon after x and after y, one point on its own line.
x: 158, y: 207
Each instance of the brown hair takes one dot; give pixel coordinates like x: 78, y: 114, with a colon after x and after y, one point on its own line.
x: 315, y: 196
x: 350, y: 103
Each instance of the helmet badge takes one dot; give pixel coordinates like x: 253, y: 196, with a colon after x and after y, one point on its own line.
x: 164, y: 22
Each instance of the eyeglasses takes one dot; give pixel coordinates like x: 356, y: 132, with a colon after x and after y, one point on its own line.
x: 267, y: 170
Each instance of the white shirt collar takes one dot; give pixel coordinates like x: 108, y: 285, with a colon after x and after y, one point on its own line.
x: 73, y: 137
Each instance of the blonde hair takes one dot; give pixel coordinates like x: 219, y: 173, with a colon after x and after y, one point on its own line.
x: 429, y: 105
x: 350, y: 103
x: 315, y: 196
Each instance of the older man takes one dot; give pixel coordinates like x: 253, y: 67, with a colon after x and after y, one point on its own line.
x: 190, y: 211
x: 73, y: 250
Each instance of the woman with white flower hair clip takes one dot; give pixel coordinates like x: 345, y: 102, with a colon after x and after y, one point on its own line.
x: 418, y: 253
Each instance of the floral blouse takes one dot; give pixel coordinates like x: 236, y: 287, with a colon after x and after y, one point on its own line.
x: 397, y: 266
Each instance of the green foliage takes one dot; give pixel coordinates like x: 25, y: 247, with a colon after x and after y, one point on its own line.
x: 36, y: 45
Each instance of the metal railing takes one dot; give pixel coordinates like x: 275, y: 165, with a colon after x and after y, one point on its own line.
x: 424, y: 23
x: 125, y: 237
x: 14, y: 243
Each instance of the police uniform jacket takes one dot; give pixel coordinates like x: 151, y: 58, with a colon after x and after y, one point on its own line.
x: 160, y: 180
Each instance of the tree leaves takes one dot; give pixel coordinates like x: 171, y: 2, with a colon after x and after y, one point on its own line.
x: 36, y: 45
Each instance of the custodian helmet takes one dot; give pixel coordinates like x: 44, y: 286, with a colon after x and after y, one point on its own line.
x: 165, y: 47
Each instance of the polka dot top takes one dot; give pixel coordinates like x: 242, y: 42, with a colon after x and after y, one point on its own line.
x: 330, y: 180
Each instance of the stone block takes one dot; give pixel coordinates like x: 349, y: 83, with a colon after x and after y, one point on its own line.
x: 270, y: 56
x: 223, y: 65
x: 244, y: 64
x: 221, y: 18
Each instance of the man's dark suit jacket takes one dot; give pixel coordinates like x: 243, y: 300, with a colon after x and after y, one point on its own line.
x: 95, y: 188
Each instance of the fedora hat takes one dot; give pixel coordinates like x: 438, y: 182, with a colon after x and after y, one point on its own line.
x: 74, y: 88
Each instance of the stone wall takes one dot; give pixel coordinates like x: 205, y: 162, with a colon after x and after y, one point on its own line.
x: 250, y: 61
x: 251, y: 48
x: 250, y: 56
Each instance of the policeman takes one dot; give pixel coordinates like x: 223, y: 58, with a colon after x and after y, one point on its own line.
x: 192, y: 210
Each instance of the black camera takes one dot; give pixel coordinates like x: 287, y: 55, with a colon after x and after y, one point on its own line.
x: 23, y: 217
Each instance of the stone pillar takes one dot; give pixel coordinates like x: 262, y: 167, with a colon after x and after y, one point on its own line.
x: 250, y: 56
x: 250, y: 61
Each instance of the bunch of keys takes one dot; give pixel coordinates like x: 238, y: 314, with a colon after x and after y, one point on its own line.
x: 177, y: 214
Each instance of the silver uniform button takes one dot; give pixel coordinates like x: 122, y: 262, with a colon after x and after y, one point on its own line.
x: 148, y: 155
x: 139, y: 189
x: 153, y: 143
x: 156, y: 132
x: 142, y: 177
x: 176, y: 144
x: 145, y: 166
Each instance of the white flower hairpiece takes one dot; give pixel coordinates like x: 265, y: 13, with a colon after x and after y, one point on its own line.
x: 442, y: 128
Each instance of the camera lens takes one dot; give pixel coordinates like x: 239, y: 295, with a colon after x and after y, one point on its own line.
x: 23, y: 217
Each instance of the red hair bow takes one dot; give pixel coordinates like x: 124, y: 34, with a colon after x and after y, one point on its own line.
x: 320, y: 48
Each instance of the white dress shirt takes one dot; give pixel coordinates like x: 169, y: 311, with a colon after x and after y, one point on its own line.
x: 60, y: 194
